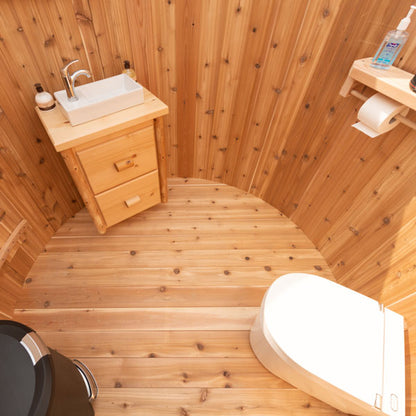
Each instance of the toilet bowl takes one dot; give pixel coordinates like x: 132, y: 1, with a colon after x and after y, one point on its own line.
x: 333, y: 343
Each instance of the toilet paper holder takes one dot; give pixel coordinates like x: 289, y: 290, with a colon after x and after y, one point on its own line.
x: 399, y: 117
x: 392, y: 83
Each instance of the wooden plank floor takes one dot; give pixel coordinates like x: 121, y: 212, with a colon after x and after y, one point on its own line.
x: 160, y: 307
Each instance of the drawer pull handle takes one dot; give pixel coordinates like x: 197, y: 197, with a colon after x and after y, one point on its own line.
x: 124, y: 164
x: 132, y: 201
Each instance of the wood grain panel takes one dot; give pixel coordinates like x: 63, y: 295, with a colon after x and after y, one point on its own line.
x: 213, y: 14
x: 237, y: 28
x: 167, y: 319
x: 160, y: 296
x: 197, y: 276
x: 151, y: 344
x: 187, y: 13
x: 248, y: 139
x: 164, y: 80
x: 177, y: 372
x: 204, y: 402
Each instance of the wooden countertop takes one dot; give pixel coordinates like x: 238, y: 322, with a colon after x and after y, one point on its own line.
x: 64, y: 136
x: 393, y: 82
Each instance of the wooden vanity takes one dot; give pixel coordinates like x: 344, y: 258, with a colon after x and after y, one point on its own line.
x: 118, y: 162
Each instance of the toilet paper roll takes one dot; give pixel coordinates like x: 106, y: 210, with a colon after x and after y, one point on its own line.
x: 377, y: 115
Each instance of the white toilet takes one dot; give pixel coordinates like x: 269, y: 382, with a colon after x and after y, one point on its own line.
x: 333, y: 343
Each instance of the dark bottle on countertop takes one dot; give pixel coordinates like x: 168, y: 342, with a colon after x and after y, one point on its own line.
x: 412, y: 84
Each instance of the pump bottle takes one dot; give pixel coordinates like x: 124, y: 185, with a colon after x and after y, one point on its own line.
x: 392, y: 44
x: 128, y: 70
x: 43, y: 99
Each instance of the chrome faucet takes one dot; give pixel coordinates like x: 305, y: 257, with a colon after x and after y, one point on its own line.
x: 69, y: 80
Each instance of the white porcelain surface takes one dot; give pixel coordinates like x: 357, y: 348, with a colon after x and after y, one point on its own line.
x: 329, y: 330
x: 100, y: 98
x: 330, y: 341
x: 394, y: 394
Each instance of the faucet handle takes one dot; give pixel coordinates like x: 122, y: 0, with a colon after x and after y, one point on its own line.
x: 64, y: 70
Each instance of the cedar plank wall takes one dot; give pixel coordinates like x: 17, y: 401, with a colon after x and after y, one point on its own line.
x: 252, y: 87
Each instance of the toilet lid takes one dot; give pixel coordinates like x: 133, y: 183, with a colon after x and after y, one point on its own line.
x: 25, y: 371
x: 328, y: 330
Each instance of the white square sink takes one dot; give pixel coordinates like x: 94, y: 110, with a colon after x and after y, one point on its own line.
x: 100, y: 98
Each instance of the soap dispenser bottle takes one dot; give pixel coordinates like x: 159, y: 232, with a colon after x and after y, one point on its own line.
x: 43, y: 99
x: 128, y: 70
x: 392, y: 44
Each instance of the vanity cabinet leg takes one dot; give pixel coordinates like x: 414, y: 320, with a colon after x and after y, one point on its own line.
x: 161, y: 158
x: 84, y: 189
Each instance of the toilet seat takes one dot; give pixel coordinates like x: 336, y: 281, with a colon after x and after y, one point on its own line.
x: 348, y: 343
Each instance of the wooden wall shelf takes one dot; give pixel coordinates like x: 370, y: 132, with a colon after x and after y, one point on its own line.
x: 393, y: 83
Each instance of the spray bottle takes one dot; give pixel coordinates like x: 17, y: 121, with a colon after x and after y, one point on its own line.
x: 392, y: 44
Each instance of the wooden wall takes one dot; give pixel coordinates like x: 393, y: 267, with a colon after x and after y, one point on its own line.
x: 252, y: 87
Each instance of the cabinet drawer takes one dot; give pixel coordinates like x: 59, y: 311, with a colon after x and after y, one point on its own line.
x: 130, y: 198
x: 119, y: 160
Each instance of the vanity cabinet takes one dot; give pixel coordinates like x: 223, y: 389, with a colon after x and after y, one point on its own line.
x: 118, y: 162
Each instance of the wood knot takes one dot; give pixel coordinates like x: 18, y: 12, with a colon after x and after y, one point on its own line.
x: 204, y: 395
x: 226, y: 374
x: 200, y: 346
x: 132, y: 253
x: 46, y: 304
x: 267, y: 268
x: 117, y: 385
x: 184, y: 412
x: 354, y: 231
x: 162, y: 289
x: 176, y: 271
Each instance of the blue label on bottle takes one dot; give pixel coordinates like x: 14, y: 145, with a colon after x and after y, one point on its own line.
x: 388, y: 53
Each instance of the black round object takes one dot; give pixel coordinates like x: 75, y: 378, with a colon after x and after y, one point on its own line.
x: 17, y: 377
x: 36, y: 381
x: 25, y: 385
